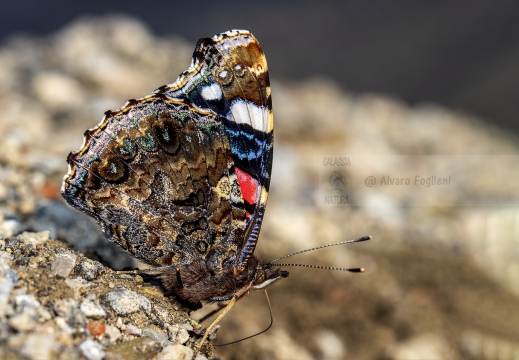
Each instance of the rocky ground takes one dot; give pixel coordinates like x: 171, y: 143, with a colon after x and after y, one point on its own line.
x: 441, y: 273
x: 58, y: 304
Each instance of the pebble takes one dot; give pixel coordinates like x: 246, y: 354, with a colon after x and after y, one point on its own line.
x: 5, y: 259
x: 119, y: 323
x: 12, y: 275
x: 176, y: 352
x: 63, y: 265
x: 135, y: 349
x: 91, y: 309
x: 65, y: 307
x: 96, y: 327
x: 89, y: 269
x: 78, y: 285
x: 43, y: 314
x: 424, y: 346
x: 330, y: 344
x: 92, y: 350
x: 4, y: 332
x: 178, y: 334
x: 156, y: 335
x: 69, y: 310
x: 24, y: 302
x: 5, y: 289
x: 126, y: 302
x: 164, y: 314
x: 34, y: 238
x: 132, y: 330
x: 113, y: 332
x: 39, y: 346
x: 24, y: 321
x: 61, y: 323
x: 9, y: 227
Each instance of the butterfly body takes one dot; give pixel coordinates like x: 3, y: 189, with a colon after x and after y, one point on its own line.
x: 198, y: 283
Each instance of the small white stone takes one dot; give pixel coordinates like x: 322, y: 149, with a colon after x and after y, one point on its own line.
x: 34, y: 238
x: 119, y: 323
x: 65, y: 307
x: 113, y: 332
x: 26, y: 302
x: 126, y: 302
x: 132, y: 330
x: 156, y: 335
x: 178, y: 334
x: 92, y: 310
x: 44, y: 314
x: 61, y: 323
x: 175, y: 352
x: 24, y: 321
x: 9, y: 227
x: 92, y: 350
x: 5, y: 289
x: 39, y: 346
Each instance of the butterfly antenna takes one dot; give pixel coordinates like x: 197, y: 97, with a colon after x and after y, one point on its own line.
x: 356, y: 270
x: 261, y: 332
x: 364, y: 238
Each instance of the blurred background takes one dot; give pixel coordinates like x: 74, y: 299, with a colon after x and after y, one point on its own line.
x: 429, y: 79
x: 457, y: 54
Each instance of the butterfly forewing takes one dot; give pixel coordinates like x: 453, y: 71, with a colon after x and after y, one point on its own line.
x: 183, y: 174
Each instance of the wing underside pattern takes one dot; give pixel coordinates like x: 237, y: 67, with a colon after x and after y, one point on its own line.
x: 184, y: 173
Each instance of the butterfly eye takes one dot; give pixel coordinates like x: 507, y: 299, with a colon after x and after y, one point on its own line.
x: 260, y: 277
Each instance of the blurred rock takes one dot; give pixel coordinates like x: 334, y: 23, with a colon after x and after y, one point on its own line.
x: 92, y: 350
x: 163, y: 340
x: 132, y: 330
x: 174, y: 352
x: 113, y: 333
x: 35, y: 346
x: 426, y: 346
x: 91, y: 309
x: 34, y: 238
x: 330, y: 345
x: 136, y: 349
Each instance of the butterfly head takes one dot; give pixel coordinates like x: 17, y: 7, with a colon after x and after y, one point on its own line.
x: 267, y: 274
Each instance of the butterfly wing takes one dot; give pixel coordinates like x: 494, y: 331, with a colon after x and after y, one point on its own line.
x: 183, y: 173
x: 232, y: 81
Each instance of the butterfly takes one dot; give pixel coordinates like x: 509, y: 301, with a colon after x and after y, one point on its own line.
x: 180, y: 178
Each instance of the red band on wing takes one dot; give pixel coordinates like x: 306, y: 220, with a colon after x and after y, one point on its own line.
x: 248, y: 186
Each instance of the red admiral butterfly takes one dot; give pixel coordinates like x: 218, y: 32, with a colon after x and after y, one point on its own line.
x: 180, y: 178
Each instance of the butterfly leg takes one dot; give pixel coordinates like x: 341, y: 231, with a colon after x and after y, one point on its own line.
x: 150, y: 271
x: 225, y: 311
